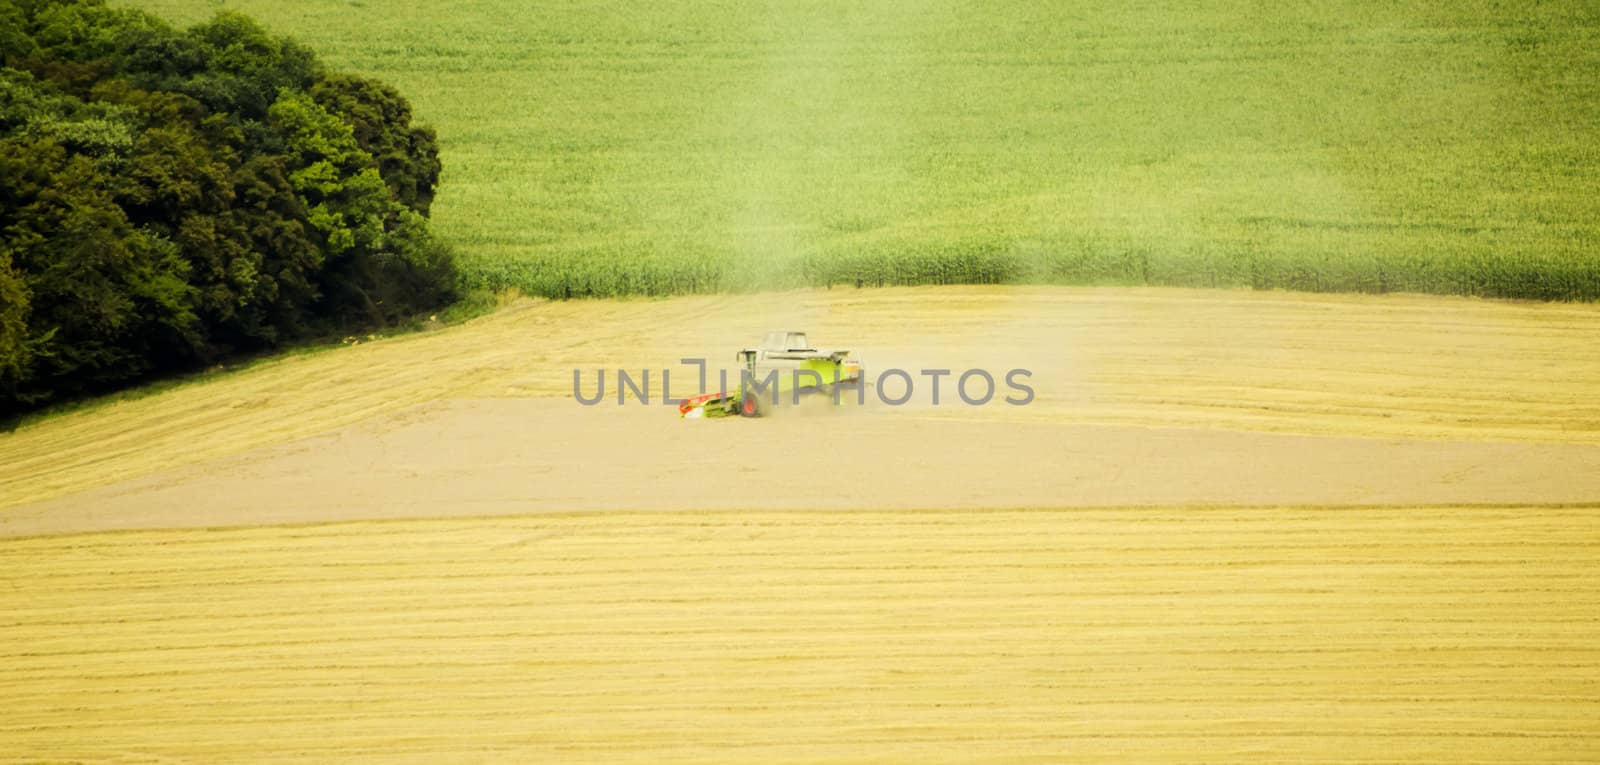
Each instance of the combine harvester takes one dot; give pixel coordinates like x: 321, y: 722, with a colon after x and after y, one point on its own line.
x: 782, y: 358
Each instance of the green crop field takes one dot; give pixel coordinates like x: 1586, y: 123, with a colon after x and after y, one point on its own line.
x: 610, y: 148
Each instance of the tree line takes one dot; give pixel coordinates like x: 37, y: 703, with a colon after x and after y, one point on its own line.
x: 169, y: 198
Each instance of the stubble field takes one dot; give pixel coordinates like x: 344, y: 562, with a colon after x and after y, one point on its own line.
x: 1179, y: 635
x: 1232, y: 527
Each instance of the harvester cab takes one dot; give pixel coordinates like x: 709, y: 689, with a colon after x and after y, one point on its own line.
x: 786, y: 342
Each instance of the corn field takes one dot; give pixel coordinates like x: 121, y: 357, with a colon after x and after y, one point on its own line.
x: 694, y: 147
x: 615, y: 275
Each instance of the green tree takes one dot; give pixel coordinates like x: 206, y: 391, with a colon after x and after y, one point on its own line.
x: 169, y: 197
x: 14, y: 302
x: 407, y: 156
x: 109, y: 302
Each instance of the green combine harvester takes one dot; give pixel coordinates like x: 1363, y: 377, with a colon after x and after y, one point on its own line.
x: 784, y: 366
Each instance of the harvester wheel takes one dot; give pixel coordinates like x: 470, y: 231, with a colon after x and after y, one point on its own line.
x: 750, y: 406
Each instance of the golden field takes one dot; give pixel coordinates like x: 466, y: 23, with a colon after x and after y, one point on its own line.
x: 1255, y: 527
x: 1224, y: 635
x: 1392, y: 367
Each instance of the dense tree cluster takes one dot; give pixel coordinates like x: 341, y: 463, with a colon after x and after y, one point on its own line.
x: 169, y: 197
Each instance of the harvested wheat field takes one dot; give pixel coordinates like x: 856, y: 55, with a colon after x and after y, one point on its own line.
x: 1443, y: 634
x: 1231, y: 527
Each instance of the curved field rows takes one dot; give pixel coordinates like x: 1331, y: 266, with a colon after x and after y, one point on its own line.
x: 1379, y: 572
x: 1450, y: 634
x: 1391, y: 366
